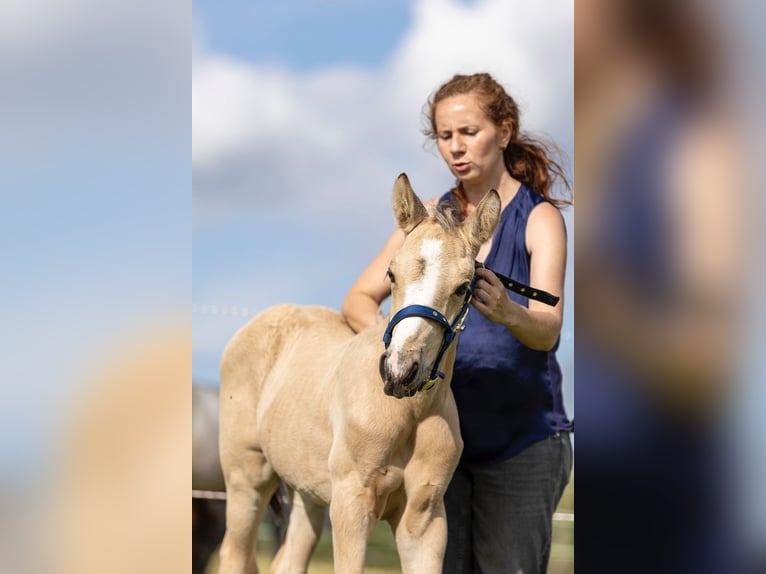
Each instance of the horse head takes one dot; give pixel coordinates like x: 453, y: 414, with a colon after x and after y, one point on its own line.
x: 431, y: 277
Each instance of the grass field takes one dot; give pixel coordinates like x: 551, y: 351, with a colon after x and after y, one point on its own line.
x: 382, y: 557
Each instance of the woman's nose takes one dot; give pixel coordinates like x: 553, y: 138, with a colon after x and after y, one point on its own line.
x: 456, y: 144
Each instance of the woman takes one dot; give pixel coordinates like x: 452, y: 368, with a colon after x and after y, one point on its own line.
x: 506, y: 381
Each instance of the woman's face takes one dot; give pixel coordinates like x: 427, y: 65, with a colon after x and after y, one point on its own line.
x: 470, y: 143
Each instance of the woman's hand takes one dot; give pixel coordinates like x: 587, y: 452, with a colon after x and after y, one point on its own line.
x: 536, y: 329
x: 490, y: 297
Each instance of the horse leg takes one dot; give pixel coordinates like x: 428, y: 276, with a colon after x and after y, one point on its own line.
x: 420, y: 528
x: 303, y: 532
x: 352, y: 513
x: 250, y: 483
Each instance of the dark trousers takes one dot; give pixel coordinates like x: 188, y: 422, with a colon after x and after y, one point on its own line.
x: 500, y: 516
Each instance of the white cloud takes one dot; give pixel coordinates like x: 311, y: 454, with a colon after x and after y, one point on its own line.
x: 526, y: 45
x: 335, y: 139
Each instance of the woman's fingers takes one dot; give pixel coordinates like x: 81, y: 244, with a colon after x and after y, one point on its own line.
x: 487, y: 276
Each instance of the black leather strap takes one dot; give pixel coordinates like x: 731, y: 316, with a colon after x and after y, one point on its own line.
x: 526, y: 290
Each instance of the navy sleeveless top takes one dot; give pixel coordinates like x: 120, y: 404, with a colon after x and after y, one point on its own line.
x: 508, y: 396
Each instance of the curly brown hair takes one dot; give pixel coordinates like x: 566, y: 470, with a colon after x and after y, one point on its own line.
x: 527, y: 159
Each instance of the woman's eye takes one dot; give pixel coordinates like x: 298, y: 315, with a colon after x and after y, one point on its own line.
x: 390, y: 276
x: 445, y: 136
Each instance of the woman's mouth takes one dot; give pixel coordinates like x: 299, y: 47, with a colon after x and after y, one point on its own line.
x: 461, y: 166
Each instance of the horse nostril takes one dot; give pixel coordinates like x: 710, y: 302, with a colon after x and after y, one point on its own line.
x: 411, y: 374
x: 382, y: 365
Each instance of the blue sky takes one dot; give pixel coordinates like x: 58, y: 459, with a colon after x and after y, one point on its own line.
x: 305, y: 113
x: 303, y: 34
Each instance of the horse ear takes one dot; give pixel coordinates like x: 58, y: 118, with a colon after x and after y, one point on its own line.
x: 480, y: 225
x: 409, y: 211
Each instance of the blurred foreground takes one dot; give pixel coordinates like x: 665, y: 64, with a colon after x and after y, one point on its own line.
x: 666, y: 275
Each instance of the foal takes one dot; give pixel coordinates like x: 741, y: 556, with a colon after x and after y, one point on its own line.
x: 347, y: 420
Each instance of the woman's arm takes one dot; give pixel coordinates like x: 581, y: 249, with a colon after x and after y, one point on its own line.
x: 361, y: 307
x: 539, y: 325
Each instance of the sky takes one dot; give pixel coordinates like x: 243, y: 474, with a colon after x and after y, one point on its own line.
x: 305, y: 113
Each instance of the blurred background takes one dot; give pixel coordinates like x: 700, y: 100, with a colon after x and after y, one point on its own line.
x: 301, y: 119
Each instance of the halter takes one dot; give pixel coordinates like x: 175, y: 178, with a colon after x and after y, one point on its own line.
x: 450, y: 330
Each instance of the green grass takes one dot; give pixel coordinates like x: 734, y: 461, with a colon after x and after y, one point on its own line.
x: 383, y: 559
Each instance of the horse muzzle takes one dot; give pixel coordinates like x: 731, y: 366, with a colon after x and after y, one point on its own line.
x: 400, y: 383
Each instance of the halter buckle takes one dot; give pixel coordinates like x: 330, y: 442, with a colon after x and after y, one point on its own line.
x: 429, y: 384
x: 460, y: 323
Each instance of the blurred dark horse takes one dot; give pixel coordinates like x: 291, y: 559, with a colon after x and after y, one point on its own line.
x: 209, y: 515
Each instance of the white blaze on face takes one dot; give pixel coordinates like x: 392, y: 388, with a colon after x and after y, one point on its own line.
x: 421, y: 292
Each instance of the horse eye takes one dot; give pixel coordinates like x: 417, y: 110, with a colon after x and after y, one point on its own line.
x: 390, y: 276
x: 462, y: 289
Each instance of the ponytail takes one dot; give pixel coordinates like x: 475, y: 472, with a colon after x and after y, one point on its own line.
x: 531, y: 162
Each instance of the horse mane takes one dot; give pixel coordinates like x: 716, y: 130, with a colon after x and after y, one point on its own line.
x: 448, y: 215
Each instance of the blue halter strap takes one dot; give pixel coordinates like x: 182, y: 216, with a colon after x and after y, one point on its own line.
x: 450, y: 330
